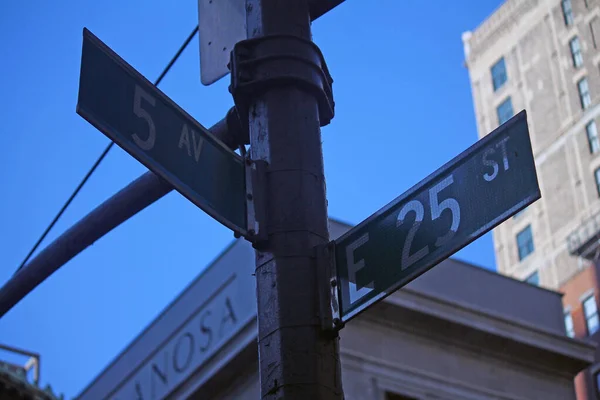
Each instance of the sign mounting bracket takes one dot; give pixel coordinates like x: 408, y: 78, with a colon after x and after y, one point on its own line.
x: 256, y: 207
x: 329, y: 308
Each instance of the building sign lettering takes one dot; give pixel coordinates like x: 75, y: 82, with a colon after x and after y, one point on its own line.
x: 191, y: 345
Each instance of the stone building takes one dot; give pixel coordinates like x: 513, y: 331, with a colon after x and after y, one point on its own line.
x: 456, y: 332
x: 543, y: 56
x: 579, y: 293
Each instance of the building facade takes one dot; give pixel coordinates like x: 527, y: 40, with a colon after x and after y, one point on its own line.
x: 581, y: 320
x: 456, y: 332
x: 544, y: 56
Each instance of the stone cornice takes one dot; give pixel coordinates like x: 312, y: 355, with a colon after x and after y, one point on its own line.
x: 500, y: 22
x: 427, y: 381
x: 579, y: 351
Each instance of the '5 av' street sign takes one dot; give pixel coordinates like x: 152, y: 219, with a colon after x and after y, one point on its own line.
x: 141, y: 119
x: 492, y: 180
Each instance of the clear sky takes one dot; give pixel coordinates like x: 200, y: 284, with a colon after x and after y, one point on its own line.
x: 403, y: 108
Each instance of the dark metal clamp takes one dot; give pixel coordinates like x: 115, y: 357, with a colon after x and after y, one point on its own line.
x: 277, y: 60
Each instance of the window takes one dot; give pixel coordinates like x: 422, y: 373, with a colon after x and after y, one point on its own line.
x: 533, y: 279
x: 594, y: 31
x: 597, y: 176
x: 525, y: 242
x: 592, y: 135
x: 504, y: 111
x: 567, y: 12
x: 576, y: 52
x: 584, y: 93
x: 569, y: 324
x: 498, y: 74
x: 590, y: 310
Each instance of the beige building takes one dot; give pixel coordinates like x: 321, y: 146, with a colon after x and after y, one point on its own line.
x: 543, y: 56
x: 457, y: 332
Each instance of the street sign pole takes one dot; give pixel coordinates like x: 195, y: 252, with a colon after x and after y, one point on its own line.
x: 282, y: 89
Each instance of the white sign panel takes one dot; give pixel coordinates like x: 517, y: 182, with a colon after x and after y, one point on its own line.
x: 221, y: 24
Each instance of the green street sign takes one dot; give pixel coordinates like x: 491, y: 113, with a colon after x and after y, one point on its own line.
x: 142, y: 120
x: 492, y: 180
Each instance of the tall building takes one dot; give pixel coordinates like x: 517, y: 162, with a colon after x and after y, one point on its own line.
x: 544, y: 56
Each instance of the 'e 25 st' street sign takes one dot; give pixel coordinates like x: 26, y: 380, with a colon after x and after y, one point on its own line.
x: 467, y: 197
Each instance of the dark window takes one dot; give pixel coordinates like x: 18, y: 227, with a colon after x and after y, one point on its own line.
x: 590, y: 310
x: 593, y: 31
x: 504, y: 111
x: 584, y: 93
x: 576, y: 56
x: 499, y: 76
x: 525, y: 242
x: 597, y: 176
x: 533, y: 279
x: 567, y: 11
x: 569, y: 324
x: 592, y: 136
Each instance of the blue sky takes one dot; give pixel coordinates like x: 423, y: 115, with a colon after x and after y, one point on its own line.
x: 403, y: 108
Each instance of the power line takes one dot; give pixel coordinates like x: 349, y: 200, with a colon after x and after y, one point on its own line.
x: 102, y: 156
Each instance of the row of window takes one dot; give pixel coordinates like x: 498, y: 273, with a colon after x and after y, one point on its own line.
x: 590, y: 312
x: 525, y: 245
x: 498, y: 70
x: 499, y: 74
x: 504, y: 111
x: 524, y: 238
x: 567, y: 9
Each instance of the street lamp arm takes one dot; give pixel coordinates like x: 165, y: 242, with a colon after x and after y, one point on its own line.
x: 123, y: 205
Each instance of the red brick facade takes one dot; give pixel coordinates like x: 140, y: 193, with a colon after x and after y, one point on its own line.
x: 575, y: 290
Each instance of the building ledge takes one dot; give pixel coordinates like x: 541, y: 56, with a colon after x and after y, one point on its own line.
x: 584, y: 241
x: 502, y: 19
x: 493, y: 333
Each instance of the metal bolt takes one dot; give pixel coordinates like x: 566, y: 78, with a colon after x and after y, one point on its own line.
x: 333, y: 282
x: 249, y: 196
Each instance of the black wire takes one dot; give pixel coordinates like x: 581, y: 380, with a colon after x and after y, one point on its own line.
x: 104, y: 153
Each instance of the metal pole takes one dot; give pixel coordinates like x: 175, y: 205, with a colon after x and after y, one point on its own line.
x: 123, y: 205
x: 297, y: 360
